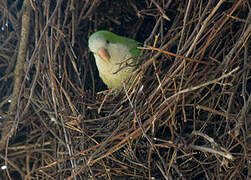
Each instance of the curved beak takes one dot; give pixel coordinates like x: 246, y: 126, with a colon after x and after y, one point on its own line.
x: 104, y: 54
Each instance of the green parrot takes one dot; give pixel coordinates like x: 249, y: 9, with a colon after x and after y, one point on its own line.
x: 111, y: 52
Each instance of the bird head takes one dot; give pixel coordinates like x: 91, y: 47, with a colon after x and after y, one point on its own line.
x: 99, y: 45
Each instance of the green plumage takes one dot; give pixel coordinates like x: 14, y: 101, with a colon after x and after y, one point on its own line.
x: 110, y: 51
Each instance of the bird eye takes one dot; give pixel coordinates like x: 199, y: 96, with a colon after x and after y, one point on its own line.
x: 107, y: 41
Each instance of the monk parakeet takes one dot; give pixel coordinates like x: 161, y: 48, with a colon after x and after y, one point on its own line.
x: 111, y: 52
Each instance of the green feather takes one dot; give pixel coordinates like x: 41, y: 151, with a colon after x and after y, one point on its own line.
x: 118, y: 49
x: 114, y: 38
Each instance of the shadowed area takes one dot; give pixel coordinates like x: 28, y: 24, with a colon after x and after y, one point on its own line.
x: 186, y: 112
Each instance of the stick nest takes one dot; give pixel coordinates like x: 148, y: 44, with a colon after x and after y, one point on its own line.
x: 185, y: 116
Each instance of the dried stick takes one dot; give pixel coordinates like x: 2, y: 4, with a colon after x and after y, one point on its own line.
x: 18, y: 73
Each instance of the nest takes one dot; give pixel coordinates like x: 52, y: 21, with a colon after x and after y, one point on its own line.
x: 185, y: 116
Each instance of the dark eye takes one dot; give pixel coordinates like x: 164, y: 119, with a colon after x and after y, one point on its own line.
x: 107, y: 41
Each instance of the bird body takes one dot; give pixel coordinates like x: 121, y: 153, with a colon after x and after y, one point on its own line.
x: 111, y: 53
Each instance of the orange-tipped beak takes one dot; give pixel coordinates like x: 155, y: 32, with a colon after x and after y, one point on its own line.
x: 104, y: 54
